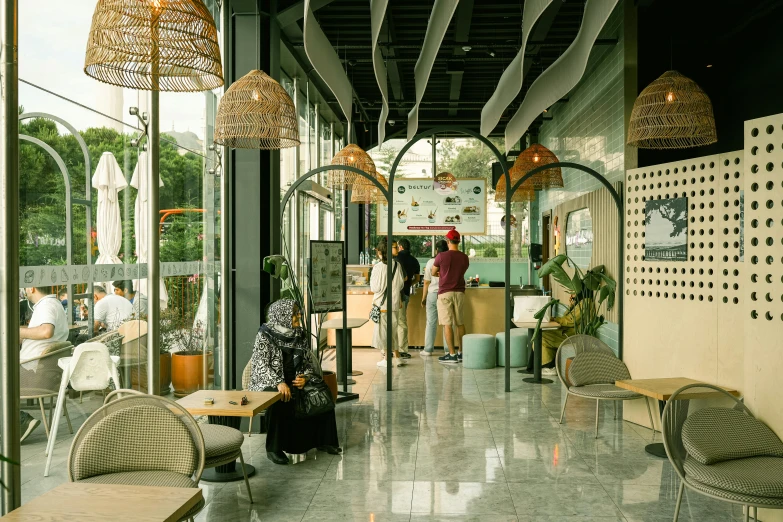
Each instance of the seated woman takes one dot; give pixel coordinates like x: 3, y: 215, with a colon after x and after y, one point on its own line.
x: 552, y: 339
x: 281, y: 361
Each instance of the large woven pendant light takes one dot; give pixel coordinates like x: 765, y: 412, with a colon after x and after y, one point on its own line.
x: 523, y: 194
x: 672, y: 113
x: 158, y: 45
x: 533, y: 157
x: 352, y: 155
x: 365, y: 192
x: 256, y: 113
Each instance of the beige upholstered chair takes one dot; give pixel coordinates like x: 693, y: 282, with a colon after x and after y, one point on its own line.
x: 45, y: 380
x: 588, y: 369
x: 719, y: 449
x: 141, y: 440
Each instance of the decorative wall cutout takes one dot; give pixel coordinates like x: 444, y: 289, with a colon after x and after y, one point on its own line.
x: 579, y: 237
x: 564, y: 74
x: 513, y: 77
x: 377, y: 13
x: 440, y: 18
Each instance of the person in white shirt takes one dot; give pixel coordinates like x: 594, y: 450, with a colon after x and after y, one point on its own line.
x: 429, y: 301
x: 48, y: 325
x: 378, y: 280
x: 110, y: 310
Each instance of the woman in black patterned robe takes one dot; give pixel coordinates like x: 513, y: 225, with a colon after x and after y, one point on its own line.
x: 280, y: 362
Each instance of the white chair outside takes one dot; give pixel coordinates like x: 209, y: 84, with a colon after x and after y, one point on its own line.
x: 90, y: 369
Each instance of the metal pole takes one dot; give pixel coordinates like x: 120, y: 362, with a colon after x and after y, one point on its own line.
x: 344, y: 339
x: 9, y: 289
x: 153, y: 220
x: 225, y: 231
x: 434, y: 173
x: 529, y: 242
x: 507, y: 289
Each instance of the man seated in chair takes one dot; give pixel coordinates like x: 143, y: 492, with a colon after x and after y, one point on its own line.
x: 48, y: 325
x: 552, y: 339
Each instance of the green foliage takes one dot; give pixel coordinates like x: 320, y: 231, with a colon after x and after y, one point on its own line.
x: 490, y: 251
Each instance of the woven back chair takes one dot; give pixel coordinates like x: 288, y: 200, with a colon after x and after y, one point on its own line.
x: 138, y: 440
x: 718, y: 449
x: 598, y: 369
x: 44, y: 380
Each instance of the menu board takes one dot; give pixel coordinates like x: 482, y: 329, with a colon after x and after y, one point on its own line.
x: 427, y: 207
x: 327, y: 269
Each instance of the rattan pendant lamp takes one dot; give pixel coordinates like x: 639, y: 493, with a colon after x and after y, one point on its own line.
x: 672, y: 113
x: 523, y: 194
x: 352, y: 155
x: 154, y: 45
x: 533, y: 157
x: 365, y: 192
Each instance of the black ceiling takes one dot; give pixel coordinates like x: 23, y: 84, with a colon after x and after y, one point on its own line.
x: 461, y: 82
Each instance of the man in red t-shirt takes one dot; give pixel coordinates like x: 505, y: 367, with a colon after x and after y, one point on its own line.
x: 450, y: 266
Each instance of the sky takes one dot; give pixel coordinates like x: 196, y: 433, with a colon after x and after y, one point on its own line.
x: 52, y: 43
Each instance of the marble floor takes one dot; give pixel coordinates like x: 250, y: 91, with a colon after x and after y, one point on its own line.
x: 447, y: 444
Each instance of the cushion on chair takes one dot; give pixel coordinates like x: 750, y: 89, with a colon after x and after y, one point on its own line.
x: 144, y: 478
x: 220, y: 440
x: 713, y: 435
x: 735, y: 497
x: 596, y: 368
x: 755, y: 476
x: 603, y: 391
x: 139, y: 438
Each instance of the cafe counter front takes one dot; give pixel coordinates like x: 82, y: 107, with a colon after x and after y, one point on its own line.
x: 484, y: 313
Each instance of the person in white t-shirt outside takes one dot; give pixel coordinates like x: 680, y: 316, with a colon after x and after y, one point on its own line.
x: 110, y: 310
x: 48, y: 325
x: 429, y: 301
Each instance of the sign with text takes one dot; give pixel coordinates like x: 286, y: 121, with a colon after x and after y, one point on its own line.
x: 427, y: 207
x: 327, y: 276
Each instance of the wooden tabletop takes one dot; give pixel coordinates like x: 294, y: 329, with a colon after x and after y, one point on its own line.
x: 337, y: 324
x: 663, y: 389
x: 99, y: 502
x: 257, y: 402
x: 551, y: 325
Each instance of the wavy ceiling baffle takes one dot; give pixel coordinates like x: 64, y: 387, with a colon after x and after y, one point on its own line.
x: 326, y: 63
x: 377, y: 13
x: 564, y: 74
x: 513, y: 77
x: 440, y: 18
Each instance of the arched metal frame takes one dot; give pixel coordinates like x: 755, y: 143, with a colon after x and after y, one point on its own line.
x: 509, y: 193
x: 86, y: 202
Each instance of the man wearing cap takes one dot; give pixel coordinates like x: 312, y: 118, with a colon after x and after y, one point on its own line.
x: 450, y: 266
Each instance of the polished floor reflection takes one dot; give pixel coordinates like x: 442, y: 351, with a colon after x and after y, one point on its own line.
x: 449, y: 444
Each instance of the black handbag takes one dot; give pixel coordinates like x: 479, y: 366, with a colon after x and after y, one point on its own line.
x: 375, y: 311
x: 315, y: 398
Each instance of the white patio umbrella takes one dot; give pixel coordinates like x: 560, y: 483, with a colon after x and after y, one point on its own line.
x: 139, y: 182
x: 109, y: 180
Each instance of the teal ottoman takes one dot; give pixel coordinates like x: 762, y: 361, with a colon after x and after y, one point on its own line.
x: 478, y: 351
x: 520, y: 349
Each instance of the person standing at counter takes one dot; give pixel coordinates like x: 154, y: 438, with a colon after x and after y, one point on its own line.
x: 450, y: 267
x: 389, y: 311
x: 412, y: 269
x: 429, y: 301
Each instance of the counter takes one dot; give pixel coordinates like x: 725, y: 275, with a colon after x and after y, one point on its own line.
x: 484, y: 313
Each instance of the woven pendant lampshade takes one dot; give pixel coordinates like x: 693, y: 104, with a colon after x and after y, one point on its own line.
x: 352, y: 155
x: 159, y: 45
x: 256, y: 113
x: 535, y: 156
x: 365, y: 192
x: 524, y: 193
x: 672, y: 113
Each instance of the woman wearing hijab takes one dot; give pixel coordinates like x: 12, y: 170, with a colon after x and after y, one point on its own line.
x: 281, y: 362
x: 378, y: 288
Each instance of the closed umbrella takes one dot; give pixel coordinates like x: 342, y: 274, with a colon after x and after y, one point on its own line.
x: 109, y: 180
x: 139, y: 182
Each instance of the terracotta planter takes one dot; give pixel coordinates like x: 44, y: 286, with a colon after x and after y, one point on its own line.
x: 187, y: 373
x: 330, y: 378
x: 165, y: 376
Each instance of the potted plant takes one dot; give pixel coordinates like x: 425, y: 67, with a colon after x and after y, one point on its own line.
x: 185, y: 342
x: 592, y: 290
x: 134, y: 347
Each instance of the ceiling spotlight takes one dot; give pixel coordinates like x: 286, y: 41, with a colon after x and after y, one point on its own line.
x: 709, y: 65
x: 466, y: 48
x: 491, y: 52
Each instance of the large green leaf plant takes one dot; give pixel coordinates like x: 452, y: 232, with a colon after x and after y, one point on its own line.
x: 594, y: 291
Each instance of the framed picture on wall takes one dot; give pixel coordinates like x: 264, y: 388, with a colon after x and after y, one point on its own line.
x: 666, y: 229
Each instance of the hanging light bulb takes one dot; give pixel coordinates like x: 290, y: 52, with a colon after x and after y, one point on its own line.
x: 536, y: 158
x: 256, y: 95
x: 670, y: 97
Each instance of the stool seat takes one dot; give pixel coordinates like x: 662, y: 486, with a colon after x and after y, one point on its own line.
x: 478, y: 351
x: 520, y: 348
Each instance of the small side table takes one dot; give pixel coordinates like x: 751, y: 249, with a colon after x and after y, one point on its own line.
x: 344, y: 350
x: 531, y: 328
x: 223, y: 413
x: 661, y: 390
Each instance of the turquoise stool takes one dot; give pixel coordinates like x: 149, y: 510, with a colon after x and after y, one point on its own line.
x: 478, y: 351
x: 520, y: 348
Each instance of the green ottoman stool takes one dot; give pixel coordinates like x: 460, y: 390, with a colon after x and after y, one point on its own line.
x: 478, y: 352
x: 520, y: 349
